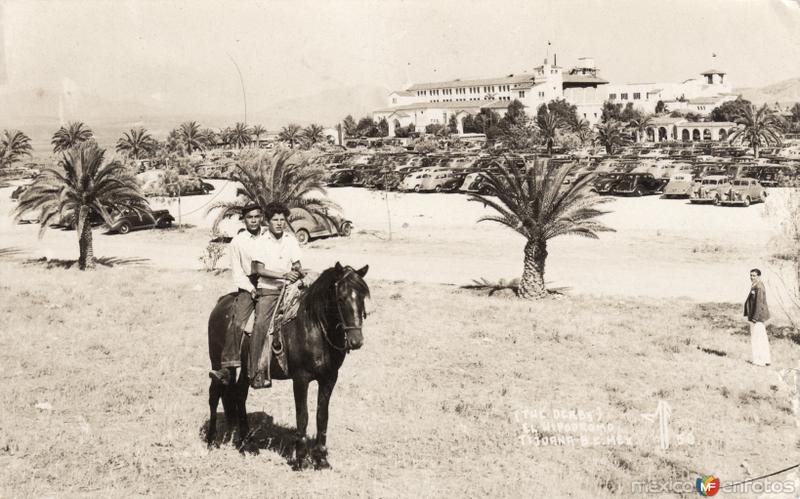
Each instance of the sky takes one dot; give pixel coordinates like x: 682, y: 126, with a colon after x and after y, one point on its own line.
x: 175, y: 56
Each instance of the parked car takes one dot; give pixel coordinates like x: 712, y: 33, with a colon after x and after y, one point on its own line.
x: 638, y: 184
x: 473, y: 182
x: 306, y: 226
x: 70, y: 222
x: 706, y: 191
x: 412, y: 181
x: 743, y: 191
x: 127, y: 220
x: 342, y: 178
x: 446, y: 181
x: 605, y: 182
x: 189, y: 187
x: 679, y: 186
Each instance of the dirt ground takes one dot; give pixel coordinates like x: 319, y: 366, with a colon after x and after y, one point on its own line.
x: 661, y: 248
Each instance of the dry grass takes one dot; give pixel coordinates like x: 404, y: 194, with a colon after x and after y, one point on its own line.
x: 105, y: 393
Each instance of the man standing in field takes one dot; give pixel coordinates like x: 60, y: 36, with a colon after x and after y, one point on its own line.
x: 277, y: 264
x: 757, y: 313
x: 242, y: 248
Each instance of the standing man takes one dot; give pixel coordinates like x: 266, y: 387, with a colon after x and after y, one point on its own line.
x: 757, y: 313
x: 242, y: 248
x: 276, y: 263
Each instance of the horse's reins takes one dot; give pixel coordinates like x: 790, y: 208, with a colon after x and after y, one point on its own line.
x: 341, y: 323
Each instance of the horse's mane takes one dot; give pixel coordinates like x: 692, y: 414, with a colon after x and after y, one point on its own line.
x: 315, y: 303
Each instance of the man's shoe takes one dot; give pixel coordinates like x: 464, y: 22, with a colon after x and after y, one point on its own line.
x: 223, y: 376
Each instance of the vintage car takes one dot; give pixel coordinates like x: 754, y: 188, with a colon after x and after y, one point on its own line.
x: 127, y: 220
x: 679, y: 185
x: 412, y: 181
x: 307, y: 226
x: 742, y: 191
x: 443, y: 181
x: 638, y: 184
x: 189, y: 186
x: 342, y: 178
x: 707, y: 190
x: 604, y: 183
x: 473, y: 182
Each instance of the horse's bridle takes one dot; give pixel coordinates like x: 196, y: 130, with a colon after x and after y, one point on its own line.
x: 341, y: 322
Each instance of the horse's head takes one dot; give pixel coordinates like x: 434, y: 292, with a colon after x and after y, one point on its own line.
x: 350, y: 291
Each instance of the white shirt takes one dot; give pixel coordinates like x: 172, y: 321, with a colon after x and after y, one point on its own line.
x: 277, y: 255
x: 243, y: 246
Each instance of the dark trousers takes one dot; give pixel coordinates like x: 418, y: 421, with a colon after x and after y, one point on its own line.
x: 243, y: 306
x: 260, y: 352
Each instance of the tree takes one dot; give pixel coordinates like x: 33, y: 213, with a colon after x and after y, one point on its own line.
x: 350, y: 126
x: 190, y: 138
x: 757, y: 127
x: 75, y: 133
x: 312, y: 134
x: 367, y: 128
x: 240, y: 135
x: 486, y: 122
x: 567, y: 113
x: 611, y: 135
x: 209, y: 137
x: 582, y: 130
x: 548, y: 125
x: 13, y: 146
x: 81, y: 184
x: 452, y: 124
x: 137, y: 144
x: 729, y: 111
x: 794, y: 117
x: 291, y: 133
x: 539, y: 206
x: 285, y: 176
x: 640, y: 126
x: 661, y: 108
x: 383, y: 128
x: 258, y: 131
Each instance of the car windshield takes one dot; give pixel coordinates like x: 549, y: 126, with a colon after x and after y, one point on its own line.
x: 709, y: 182
x: 741, y: 182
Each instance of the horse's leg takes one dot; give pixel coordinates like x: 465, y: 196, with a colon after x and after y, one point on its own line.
x: 242, y: 388
x: 229, y: 407
x: 300, y: 385
x: 320, y: 451
x: 214, y: 394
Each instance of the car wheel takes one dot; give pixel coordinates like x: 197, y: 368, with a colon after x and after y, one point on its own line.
x: 637, y: 192
x: 124, y: 228
x: 164, y: 223
x: 302, y: 236
x: 717, y: 200
x: 747, y: 201
x: 346, y: 230
x: 416, y: 188
x: 438, y: 188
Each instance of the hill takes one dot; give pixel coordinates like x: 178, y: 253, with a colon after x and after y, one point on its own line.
x: 783, y: 92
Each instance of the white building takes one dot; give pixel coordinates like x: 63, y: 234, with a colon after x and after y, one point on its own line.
x: 696, y: 95
x: 425, y: 104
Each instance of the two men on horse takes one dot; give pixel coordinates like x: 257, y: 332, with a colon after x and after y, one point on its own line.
x: 262, y: 263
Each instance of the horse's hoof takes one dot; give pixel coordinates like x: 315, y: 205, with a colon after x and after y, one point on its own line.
x: 300, y: 465
x: 322, y: 464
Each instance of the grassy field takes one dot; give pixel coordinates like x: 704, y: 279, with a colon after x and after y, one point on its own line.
x: 105, y: 393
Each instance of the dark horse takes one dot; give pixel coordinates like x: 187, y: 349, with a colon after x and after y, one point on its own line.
x: 327, y: 326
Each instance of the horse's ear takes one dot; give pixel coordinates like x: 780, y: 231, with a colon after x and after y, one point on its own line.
x: 363, y: 270
x: 338, y: 268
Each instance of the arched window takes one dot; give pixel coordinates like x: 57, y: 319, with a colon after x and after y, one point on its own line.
x: 696, y: 134
x: 685, y: 136
x: 723, y: 134
x: 706, y: 134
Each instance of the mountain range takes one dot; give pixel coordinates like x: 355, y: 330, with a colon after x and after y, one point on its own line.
x: 784, y: 92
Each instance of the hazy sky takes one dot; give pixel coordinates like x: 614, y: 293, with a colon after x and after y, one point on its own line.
x: 175, y: 55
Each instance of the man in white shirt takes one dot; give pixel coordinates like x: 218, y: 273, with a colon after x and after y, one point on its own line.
x: 276, y: 263
x: 242, y: 248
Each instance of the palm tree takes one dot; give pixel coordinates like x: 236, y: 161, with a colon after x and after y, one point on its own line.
x: 258, y: 131
x: 284, y: 176
x: 582, y: 129
x: 75, y: 133
x: 79, y: 185
x: 548, y: 124
x: 312, y: 134
x: 538, y: 205
x: 209, y: 137
x: 13, y: 146
x: 190, y: 137
x: 241, y: 135
x: 611, y: 134
x: 290, y: 133
x: 758, y: 127
x: 137, y: 143
x: 640, y: 126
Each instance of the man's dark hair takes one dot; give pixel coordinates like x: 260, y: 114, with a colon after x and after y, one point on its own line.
x: 275, y: 208
x: 250, y: 207
x: 758, y: 272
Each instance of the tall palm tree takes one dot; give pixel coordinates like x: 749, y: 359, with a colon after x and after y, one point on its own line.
x: 290, y: 133
x: 611, y: 135
x: 137, y: 143
x: 13, y: 146
x: 312, y: 134
x: 548, y: 124
x: 81, y: 184
x: 209, y: 137
x: 75, y: 133
x: 640, y: 126
x: 285, y: 176
x: 191, y: 137
x: 241, y: 135
x: 582, y: 129
x: 258, y: 131
x: 538, y: 205
x: 757, y: 127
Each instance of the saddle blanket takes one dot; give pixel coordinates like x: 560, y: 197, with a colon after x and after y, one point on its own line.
x: 289, y: 304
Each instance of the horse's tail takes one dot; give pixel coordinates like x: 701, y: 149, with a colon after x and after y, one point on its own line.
x: 218, y: 323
